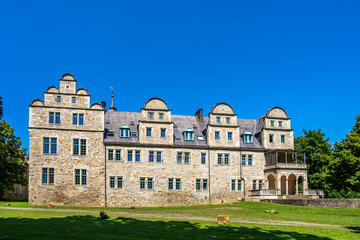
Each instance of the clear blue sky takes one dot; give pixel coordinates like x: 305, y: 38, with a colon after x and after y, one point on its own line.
x: 300, y: 55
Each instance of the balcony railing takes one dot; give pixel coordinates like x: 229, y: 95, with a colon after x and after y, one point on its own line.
x: 314, y: 192
x: 265, y: 192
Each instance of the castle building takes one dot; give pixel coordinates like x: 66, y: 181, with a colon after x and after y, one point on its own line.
x: 84, y: 155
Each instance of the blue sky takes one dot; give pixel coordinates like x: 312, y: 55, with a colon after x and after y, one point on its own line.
x: 300, y: 55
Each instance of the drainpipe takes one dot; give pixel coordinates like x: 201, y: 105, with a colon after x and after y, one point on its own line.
x: 105, y: 175
x: 209, y: 177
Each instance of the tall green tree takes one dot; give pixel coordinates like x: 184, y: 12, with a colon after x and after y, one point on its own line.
x: 343, y: 171
x: 318, y: 156
x: 12, y: 157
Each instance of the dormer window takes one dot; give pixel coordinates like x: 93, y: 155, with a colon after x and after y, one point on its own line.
x: 161, y: 116
x: 218, y: 120
x: 189, y: 134
x: 280, y: 124
x: 124, y: 131
x: 227, y: 120
x: 272, y: 123
x: 151, y: 115
x: 248, y: 138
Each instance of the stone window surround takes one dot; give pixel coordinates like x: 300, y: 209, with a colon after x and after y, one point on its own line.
x: 223, y: 157
x: 203, y: 182
x: 237, y: 183
x: 146, y: 183
x: 79, y: 147
x: 174, y: 182
x: 50, y: 147
x: 116, y: 182
x: 48, y: 182
x: 81, y: 177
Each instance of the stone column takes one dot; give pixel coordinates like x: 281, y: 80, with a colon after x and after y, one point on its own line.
x: 297, y: 185
x: 287, y: 186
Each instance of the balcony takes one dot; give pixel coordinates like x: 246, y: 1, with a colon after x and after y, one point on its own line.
x: 285, y: 159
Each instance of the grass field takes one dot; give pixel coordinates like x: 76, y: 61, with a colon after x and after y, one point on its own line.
x: 248, y: 220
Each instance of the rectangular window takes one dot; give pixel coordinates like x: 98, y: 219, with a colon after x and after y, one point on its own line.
x: 82, y: 147
x: 53, y: 145
x: 239, y: 185
x: 217, y: 135
x: 230, y: 136
x: 271, y: 138
x: 171, y: 184
x: 198, y: 184
x: 46, y: 145
x: 254, y: 184
x: 205, y: 184
x: 81, y: 119
x: 137, y: 156
x: 280, y: 123
x: 142, y: 183
x: 151, y: 156
x: 219, y: 159
x: 161, y: 116
x: 51, y: 176
x: 83, y: 177
x: 233, y: 185
x: 130, y: 156
x: 58, y: 99
x: 178, y: 184
x: 75, y: 146
x: 226, y: 159
x: 250, y: 160
x: 118, y: 155
x: 243, y: 159
x: 112, y: 182
x: 158, y: 156
x: 179, y: 157
x: 282, y: 138
x: 163, y: 133
x: 150, y: 184
x: 218, y: 120
x: 77, y: 176
x: 260, y: 184
x: 80, y: 177
x: 148, y: 132
x: 75, y: 118
x: 44, y: 176
x: 111, y: 155
x: 57, y: 118
x: 203, y: 158
x: 227, y: 120
x: 120, y: 182
x: 73, y: 100
x: 272, y: 123
x: 151, y: 115
x: 187, y: 158
x: 51, y: 118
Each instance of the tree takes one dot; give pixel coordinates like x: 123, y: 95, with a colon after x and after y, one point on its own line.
x: 343, y: 171
x: 12, y: 157
x: 318, y: 156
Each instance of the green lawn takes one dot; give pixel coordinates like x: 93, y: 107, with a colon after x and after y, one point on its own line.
x: 248, y: 221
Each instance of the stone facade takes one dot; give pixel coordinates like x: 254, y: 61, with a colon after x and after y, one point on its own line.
x: 154, y: 158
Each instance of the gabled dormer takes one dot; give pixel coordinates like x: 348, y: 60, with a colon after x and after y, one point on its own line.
x: 222, y: 128
x: 277, y: 132
x: 155, y: 126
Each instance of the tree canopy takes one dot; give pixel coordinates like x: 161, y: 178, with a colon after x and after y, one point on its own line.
x: 343, y: 171
x: 318, y: 156
x: 12, y: 157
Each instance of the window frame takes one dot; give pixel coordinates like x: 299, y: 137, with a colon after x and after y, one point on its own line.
x: 217, y: 135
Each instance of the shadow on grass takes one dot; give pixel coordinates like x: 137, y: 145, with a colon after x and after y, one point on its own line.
x: 90, y: 227
x: 354, y: 229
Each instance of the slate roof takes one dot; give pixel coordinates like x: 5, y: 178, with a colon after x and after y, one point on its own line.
x: 114, y: 120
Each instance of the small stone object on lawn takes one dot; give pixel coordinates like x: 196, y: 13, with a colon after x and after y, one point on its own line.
x: 223, y: 219
x: 9, y: 204
x: 103, y: 215
x: 272, y: 211
x: 231, y: 204
x: 50, y: 205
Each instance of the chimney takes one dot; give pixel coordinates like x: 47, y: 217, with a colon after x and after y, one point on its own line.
x: 199, y: 114
x: 103, y: 104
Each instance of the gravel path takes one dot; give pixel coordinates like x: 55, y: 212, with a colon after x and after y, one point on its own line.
x: 179, y: 216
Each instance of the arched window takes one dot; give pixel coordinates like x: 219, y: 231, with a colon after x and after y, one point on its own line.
x: 189, y: 134
x: 124, y: 131
x: 248, y: 138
